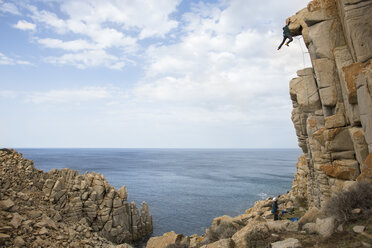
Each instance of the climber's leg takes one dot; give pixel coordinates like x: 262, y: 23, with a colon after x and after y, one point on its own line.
x: 290, y: 39
x: 284, y: 38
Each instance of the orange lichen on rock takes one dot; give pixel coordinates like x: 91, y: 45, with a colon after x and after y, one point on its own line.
x: 338, y: 171
x: 351, y: 75
x: 328, y: 5
x: 366, y: 174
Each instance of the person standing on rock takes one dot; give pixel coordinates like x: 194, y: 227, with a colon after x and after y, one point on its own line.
x: 275, y: 208
x: 286, y: 34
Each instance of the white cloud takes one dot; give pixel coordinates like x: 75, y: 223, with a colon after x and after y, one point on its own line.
x: 94, y: 18
x: 74, y: 45
x: 217, y: 66
x: 102, y: 26
x: 232, y: 73
x: 9, y: 8
x: 229, y: 72
x: 4, y: 60
x: 69, y: 95
x: 24, y: 25
x: 90, y: 58
x: 8, y: 94
x: 147, y: 18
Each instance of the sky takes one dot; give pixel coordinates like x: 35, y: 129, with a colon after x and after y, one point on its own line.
x: 147, y: 74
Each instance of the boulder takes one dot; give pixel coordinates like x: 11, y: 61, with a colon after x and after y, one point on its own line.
x: 6, y: 204
x: 223, y: 243
x: 165, y: 240
x: 293, y: 226
x: 356, y: 211
x: 252, y: 232
x: 33, y: 214
x: 225, y: 219
x: 310, y: 228
x: 310, y: 216
x: 4, y: 237
x: 19, y: 242
x: 278, y: 226
x: 359, y: 229
x: 43, y: 231
x: 287, y: 243
x: 16, y: 220
x: 325, y: 227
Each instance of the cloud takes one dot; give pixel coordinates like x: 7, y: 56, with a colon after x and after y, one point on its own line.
x: 8, y: 94
x: 4, y: 60
x: 90, y: 58
x: 213, y: 68
x: 222, y: 68
x: 74, y: 45
x: 101, y: 26
x: 232, y: 72
x: 91, y: 18
x: 68, y: 95
x: 146, y: 18
x: 9, y: 8
x: 24, y: 25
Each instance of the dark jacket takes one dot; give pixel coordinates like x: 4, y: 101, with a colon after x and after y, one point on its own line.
x: 286, y: 30
x: 274, y: 207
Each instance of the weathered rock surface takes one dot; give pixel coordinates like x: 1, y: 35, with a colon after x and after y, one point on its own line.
x: 223, y: 243
x: 310, y: 216
x: 287, y: 243
x: 325, y: 227
x: 332, y: 116
x: 62, y: 208
x: 332, y: 101
x: 167, y: 239
x: 359, y: 229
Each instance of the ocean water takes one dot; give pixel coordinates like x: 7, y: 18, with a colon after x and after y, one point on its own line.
x: 184, y: 188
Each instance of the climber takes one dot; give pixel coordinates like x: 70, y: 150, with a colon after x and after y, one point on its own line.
x: 286, y: 34
x: 275, y: 208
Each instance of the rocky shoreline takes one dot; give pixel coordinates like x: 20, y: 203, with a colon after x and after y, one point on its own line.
x: 332, y: 115
x: 62, y: 208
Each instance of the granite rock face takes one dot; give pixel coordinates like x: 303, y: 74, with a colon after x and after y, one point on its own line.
x: 332, y: 116
x: 62, y: 208
x: 332, y: 100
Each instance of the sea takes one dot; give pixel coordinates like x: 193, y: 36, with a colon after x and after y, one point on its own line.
x: 184, y: 188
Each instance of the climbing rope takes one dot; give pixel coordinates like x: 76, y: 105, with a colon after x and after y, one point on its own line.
x: 303, y: 60
x: 302, y: 50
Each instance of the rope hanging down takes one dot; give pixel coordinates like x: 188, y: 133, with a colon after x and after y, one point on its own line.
x: 302, y: 50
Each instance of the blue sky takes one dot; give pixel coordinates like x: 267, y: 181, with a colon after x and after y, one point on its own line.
x: 165, y: 73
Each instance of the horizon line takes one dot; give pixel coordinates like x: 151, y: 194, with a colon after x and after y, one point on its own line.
x: 151, y: 148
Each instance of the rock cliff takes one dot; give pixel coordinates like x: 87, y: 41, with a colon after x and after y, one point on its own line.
x: 332, y: 101
x: 332, y: 116
x: 63, y: 208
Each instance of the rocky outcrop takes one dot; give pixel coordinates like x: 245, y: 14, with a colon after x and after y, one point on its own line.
x: 63, y: 208
x: 167, y: 239
x: 332, y: 100
x: 332, y: 116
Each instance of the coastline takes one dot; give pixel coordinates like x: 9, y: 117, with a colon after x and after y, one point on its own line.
x: 46, y: 205
x: 332, y: 115
x: 178, y: 185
